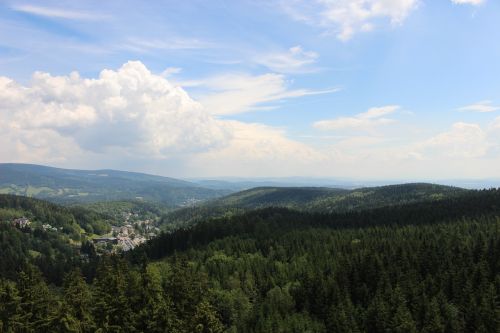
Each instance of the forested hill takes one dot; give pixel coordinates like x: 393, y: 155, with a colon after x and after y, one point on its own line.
x: 313, y: 199
x: 421, y: 267
x: 330, y: 199
x: 470, y: 204
x: 84, y: 186
x: 52, y: 239
x: 70, y: 220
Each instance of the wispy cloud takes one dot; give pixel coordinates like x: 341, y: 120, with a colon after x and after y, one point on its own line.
x: 169, y: 71
x: 239, y: 93
x: 469, y: 2
x: 372, y: 118
x: 483, y: 106
x: 294, y: 60
x: 59, y: 13
x: 175, y: 43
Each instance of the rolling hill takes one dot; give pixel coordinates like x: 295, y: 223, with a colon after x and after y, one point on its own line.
x: 51, y: 239
x: 313, y: 199
x: 282, y: 270
x: 85, y: 186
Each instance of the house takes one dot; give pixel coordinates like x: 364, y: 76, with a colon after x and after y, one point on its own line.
x: 127, y: 230
x: 48, y: 227
x: 21, y: 223
x: 103, y: 240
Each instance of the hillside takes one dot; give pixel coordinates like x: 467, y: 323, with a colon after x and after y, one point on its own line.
x: 427, y: 266
x: 86, y: 186
x: 313, y: 199
x: 51, y: 239
x: 330, y: 199
x: 472, y: 204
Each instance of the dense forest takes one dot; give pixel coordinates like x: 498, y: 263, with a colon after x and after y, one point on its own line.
x: 72, y: 220
x: 310, y: 199
x: 114, y: 209
x: 429, y: 266
x: 53, y: 242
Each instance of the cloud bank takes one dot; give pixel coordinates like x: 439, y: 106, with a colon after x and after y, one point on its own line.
x: 133, y: 116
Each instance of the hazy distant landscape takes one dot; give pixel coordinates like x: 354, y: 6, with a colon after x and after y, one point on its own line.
x: 302, y: 166
x: 78, y: 186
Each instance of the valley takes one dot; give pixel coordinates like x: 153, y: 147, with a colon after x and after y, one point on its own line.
x: 281, y: 259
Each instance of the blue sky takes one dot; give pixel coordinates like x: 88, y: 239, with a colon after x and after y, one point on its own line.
x: 367, y: 89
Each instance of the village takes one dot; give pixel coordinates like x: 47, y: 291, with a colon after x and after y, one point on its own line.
x: 132, y: 233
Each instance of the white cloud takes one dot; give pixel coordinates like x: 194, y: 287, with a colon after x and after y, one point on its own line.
x: 469, y: 2
x: 496, y: 123
x: 348, y: 17
x: 143, y: 45
x: 133, y: 115
x: 59, y: 13
x: 171, y: 71
x: 372, y: 118
x: 463, y: 140
x: 131, y: 109
x: 483, y: 106
x: 239, y: 93
x: 257, y: 149
x: 295, y: 60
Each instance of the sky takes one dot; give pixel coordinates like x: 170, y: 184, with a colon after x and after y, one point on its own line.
x: 358, y: 89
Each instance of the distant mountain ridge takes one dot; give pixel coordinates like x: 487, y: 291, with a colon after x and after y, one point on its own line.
x: 83, y: 186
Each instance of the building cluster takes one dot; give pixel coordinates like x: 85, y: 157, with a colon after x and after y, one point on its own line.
x: 122, y: 238
x: 25, y: 223
x: 21, y: 223
x: 48, y: 227
x: 126, y: 237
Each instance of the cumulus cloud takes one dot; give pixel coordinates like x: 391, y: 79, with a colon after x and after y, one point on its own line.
x: 348, y: 17
x: 483, y: 106
x: 133, y: 115
x: 372, y: 118
x: 295, y: 60
x: 239, y: 93
x: 130, y: 108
